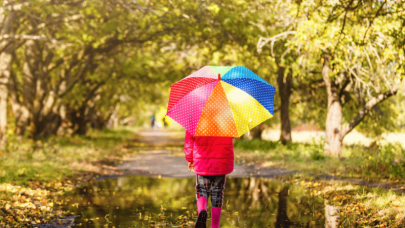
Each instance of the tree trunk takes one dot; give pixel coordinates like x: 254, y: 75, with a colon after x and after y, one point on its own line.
x: 34, y: 94
x: 22, y: 121
x: 334, y: 141
x: 41, y: 102
x: 5, y: 61
x: 29, y: 86
x: 81, y: 121
x: 285, y: 91
x: 5, y: 66
x: 96, y: 119
x: 20, y: 111
x: 52, y: 125
x: 114, y: 118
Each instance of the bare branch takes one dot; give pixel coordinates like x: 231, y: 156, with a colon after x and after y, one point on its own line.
x: 286, y: 51
x: 366, y: 109
x: 368, y: 58
x: 263, y: 41
x: 26, y: 37
x: 344, y: 85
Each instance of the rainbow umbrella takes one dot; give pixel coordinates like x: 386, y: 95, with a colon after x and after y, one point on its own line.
x: 221, y: 101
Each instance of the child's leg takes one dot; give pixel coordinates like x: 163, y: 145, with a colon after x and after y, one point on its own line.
x: 217, y: 196
x: 202, y: 192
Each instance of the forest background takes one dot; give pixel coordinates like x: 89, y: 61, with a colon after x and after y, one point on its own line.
x: 68, y: 66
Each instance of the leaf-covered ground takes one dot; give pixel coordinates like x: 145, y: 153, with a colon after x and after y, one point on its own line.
x: 378, y: 165
x: 32, y: 174
x: 30, y: 205
x: 360, y: 206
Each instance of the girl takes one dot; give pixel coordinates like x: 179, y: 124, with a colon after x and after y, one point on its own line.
x: 211, y: 158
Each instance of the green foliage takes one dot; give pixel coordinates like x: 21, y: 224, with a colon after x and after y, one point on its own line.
x: 99, y: 58
x: 276, y: 150
x: 256, y: 144
x: 385, y: 161
x: 317, y: 151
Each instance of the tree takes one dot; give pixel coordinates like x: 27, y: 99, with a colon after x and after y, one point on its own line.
x: 76, y: 57
x: 366, y: 67
x: 7, y: 15
x: 285, y: 19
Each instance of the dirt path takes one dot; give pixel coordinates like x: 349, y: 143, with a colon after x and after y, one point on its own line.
x: 159, y: 159
x: 162, y: 156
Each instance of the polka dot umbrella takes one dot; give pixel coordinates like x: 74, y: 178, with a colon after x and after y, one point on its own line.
x: 221, y: 101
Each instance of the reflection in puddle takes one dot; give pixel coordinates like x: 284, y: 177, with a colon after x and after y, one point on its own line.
x: 331, y: 216
x: 137, y: 201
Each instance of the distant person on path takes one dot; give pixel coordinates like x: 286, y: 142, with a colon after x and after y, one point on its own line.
x: 211, y: 158
x: 152, y: 121
x: 164, y: 122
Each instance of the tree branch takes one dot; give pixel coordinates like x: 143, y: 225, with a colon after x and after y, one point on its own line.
x: 263, y: 41
x: 344, y: 22
x: 344, y: 85
x: 26, y: 37
x: 372, y: 20
x: 366, y: 109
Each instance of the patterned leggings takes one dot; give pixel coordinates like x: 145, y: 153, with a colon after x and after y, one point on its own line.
x: 214, y: 185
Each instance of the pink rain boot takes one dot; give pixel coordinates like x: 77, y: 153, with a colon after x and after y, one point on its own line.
x: 202, y: 213
x: 215, y: 217
x: 202, y: 204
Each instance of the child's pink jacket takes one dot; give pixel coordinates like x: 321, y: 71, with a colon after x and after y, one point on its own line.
x: 210, y: 155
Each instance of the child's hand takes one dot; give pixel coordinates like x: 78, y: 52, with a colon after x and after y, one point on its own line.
x: 191, y: 166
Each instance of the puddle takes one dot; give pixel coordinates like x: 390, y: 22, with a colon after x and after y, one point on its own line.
x: 138, y: 201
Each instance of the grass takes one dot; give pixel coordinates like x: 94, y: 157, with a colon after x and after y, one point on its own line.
x: 370, y: 163
x: 59, y: 157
